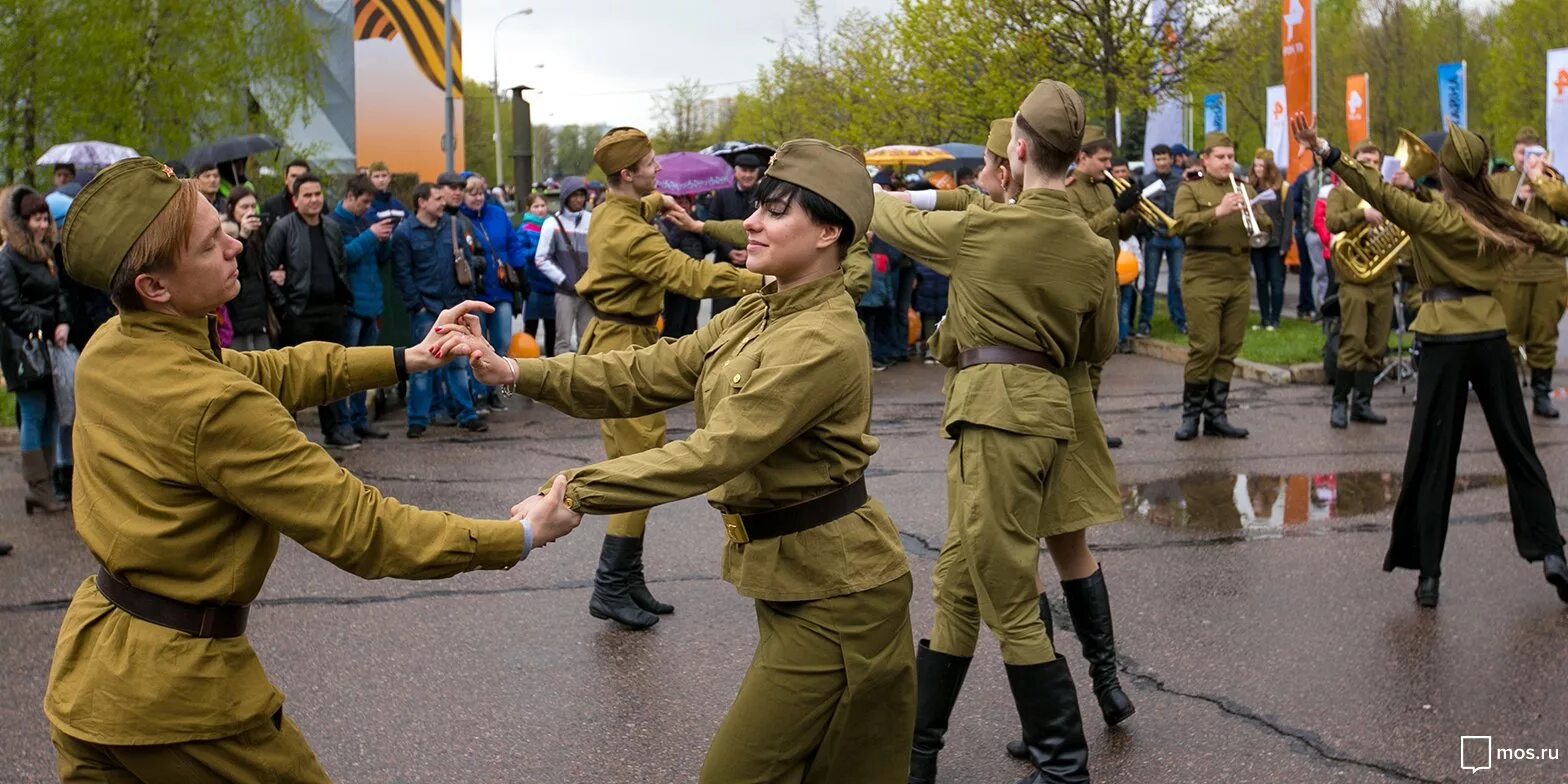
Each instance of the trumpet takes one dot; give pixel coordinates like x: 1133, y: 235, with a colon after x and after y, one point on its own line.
x: 1256, y: 237
x: 1148, y: 211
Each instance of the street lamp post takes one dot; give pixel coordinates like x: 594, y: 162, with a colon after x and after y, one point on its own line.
x: 495, y: 87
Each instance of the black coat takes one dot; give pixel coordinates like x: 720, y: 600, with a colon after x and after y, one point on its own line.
x: 248, y: 309
x: 288, y: 246
x: 731, y: 204
x: 31, y: 300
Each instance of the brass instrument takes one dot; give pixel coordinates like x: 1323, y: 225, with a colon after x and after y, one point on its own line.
x: 1148, y: 211
x: 1256, y: 237
x: 1362, y: 254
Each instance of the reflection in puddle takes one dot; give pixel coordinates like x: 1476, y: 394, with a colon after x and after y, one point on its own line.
x: 1261, y: 505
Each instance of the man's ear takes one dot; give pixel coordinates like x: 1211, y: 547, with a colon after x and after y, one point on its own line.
x: 151, y: 289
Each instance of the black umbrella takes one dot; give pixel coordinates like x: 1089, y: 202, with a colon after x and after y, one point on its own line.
x: 231, y: 149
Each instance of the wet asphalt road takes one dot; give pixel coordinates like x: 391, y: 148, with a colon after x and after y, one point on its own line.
x: 1261, y: 640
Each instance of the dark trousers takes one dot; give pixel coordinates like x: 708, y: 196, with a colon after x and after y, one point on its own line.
x: 680, y: 315
x: 1268, y: 269
x: 318, y: 324
x: 882, y: 332
x: 1421, y: 514
x: 547, y: 347
x: 1304, y: 303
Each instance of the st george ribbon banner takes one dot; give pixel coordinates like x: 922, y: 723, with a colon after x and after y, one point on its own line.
x: 1452, y: 101
x: 1357, y: 117
x: 1557, y: 102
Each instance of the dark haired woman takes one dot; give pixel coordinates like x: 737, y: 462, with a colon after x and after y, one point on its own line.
x: 32, y: 305
x: 248, y: 310
x: 1459, y: 245
x: 782, y: 385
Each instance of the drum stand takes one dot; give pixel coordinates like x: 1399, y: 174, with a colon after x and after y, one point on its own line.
x: 1402, y: 369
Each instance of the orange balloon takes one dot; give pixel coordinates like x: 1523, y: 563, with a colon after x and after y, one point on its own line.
x: 660, y: 325
x: 523, y: 347
x: 1126, y: 267
x: 914, y: 327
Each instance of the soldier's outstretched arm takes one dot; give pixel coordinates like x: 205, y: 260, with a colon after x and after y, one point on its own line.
x: 933, y: 237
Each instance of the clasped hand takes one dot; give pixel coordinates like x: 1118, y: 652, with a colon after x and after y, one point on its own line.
x: 548, y: 514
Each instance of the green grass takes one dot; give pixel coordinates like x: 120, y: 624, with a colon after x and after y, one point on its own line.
x: 1294, y: 342
x: 7, y: 408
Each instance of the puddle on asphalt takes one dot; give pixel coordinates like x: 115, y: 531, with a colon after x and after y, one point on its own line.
x: 1262, y: 505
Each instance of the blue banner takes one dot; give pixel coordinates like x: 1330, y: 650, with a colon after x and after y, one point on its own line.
x: 1452, y: 101
x: 1214, y: 113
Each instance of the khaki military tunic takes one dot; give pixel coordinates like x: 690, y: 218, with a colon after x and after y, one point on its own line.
x: 1532, y: 288
x: 1366, y: 310
x: 1445, y: 252
x: 189, y: 467
x: 782, y: 388
x: 1215, y: 278
x: 1029, y: 275
x: 1096, y: 202
x: 630, y: 266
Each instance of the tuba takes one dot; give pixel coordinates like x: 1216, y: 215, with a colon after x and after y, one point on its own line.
x: 1364, y: 253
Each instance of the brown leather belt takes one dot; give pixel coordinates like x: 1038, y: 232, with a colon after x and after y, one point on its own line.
x: 1450, y: 293
x: 1005, y: 355
x: 824, y: 509
x: 617, y: 318
x: 196, y: 620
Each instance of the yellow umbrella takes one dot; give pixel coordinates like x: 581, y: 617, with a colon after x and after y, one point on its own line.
x: 905, y: 155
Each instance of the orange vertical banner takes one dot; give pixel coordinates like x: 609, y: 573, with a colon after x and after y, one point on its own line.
x: 1296, y: 36
x: 1357, y: 126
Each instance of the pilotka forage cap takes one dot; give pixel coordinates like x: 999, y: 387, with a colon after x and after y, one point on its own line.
x: 1463, y: 152
x: 1217, y: 139
x: 110, y: 215
x: 621, y: 148
x: 1055, y: 112
x: 829, y: 172
x: 1092, y: 134
x: 1001, y: 135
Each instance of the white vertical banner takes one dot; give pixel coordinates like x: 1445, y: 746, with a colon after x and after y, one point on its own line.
x: 1557, y: 103
x: 1279, y: 125
x: 1165, y: 121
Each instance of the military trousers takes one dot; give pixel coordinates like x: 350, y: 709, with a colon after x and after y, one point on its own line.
x: 1533, y: 310
x: 1217, y: 311
x: 987, y: 570
x: 624, y: 436
x: 829, y: 697
x: 1366, y: 314
x: 273, y: 751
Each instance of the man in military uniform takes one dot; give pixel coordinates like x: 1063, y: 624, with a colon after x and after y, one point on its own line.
x: 1028, y: 282
x: 1366, y: 308
x: 1215, y: 285
x: 632, y: 267
x: 1532, y: 288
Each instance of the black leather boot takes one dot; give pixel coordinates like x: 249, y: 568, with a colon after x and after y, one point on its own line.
x: 1541, y: 392
x: 1361, y: 407
x: 637, y: 587
x: 62, y: 481
x: 1557, y: 574
x: 612, y: 585
x: 1047, y: 706
x: 1426, y: 591
x: 1018, y: 749
x: 1191, y: 409
x: 1090, y: 606
x: 5, y: 547
x: 1215, y: 423
x: 1339, y: 412
x: 938, y: 679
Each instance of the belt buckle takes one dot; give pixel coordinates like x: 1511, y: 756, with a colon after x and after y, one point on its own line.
x: 735, y: 528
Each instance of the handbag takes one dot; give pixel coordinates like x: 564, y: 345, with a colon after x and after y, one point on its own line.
x: 505, y: 274
x: 566, y: 240
x: 33, y: 368
x: 460, y: 266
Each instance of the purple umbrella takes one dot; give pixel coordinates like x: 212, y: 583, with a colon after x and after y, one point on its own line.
x: 690, y: 173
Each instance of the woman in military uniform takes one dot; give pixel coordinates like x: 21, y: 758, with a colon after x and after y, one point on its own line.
x: 782, y: 387
x: 189, y: 467
x: 1460, y: 244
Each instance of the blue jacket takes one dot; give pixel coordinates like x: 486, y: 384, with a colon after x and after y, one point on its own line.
x: 528, y: 243
x: 493, y: 230
x: 930, y: 291
x: 884, y: 265
x: 386, y: 201
x: 422, y: 264
x: 363, y: 256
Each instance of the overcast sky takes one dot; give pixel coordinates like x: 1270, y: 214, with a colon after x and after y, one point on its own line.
x: 604, y: 61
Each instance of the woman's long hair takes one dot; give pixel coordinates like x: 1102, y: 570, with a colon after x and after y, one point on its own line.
x: 1498, y: 224
x: 1269, y: 180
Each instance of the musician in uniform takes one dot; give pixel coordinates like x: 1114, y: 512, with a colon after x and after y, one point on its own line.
x: 1531, y: 291
x: 1216, y: 285
x: 1366, y: 305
